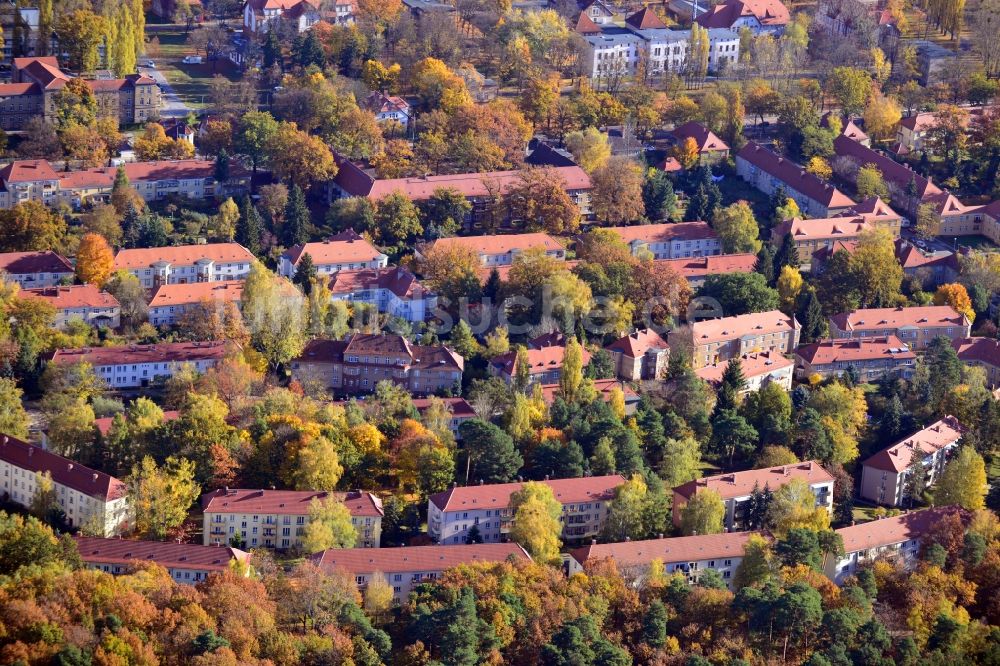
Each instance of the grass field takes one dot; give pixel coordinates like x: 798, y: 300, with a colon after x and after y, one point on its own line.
x: 190, y: 82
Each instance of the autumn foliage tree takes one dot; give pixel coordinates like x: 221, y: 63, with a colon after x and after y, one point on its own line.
x: 94, y: 260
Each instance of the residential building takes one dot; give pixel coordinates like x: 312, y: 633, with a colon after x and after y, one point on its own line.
x: 184, y: 264
x: 886, y: 476
x: 599, y: 13
x: 605, y: 388
x: 142, y: 366
x: 459, y: 408
x: 767, y: 170
x: 260, y: 16
x: 955, y: 218
x: 347, y: 250
x: 982, y: 352
x: 83, y: 301
x: 871, y: 358
x: 907, y: 188
x: 169, y: 302
x: 36, y: 82
x: 544, y: 365
x: 840, y: 19
x: 187, y: 563
x: 711, y: 149
x: 935, y: 62
x: 359, y: 362
x: 104, y: 423
x: 278, y: 518
x: 388, y: 107
x: 713, y: 341
x: 393, y: 291
x: 915, y: 326
x: 696, y: 269
x: 87, y: 497
x: 406, y: 568
x: 44, y: 268
x: 911, y: 133
x: 932, y: 268
x: 736, y: 488
x: 499, y: 250
x: 453, y: 514
x: 481, y: 189
x: 848, y: 127
x: 687, y: 555
x: 809, y: 236
x: 640, y: 355
x: 821, y: 256
x: 670, y: 240
x: 878, y: 213
x: 760, y: 16
x: 897, y: 539
x: 759, y: 369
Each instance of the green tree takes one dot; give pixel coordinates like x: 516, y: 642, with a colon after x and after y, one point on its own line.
x: 740, y: 293
x: 851, y: 87
x: 329, y: 526
x: 602, y: 462
x: 874, y: 269
x: 444, y: 212
x: 625, y: 511
x: 737, y: 228
x: 732, y: 436
x: 297, y: 221
x: 305, y: 273
x: 658, y: 196
x: 537, y: 526
x: 13, y: 418
x: 731, y: 386
x: 255, y: 131
x: 397, y: 220
x: 757, y: 565
x: 80, y: 33
x: 572, y: 370
x: 160, y: 496
x: 703, y: 514
x: 274, y: 313
x: 963, y: 481
x: 787, y: 254
x: 681, y: 461
x: 490, y: 452
x: 810, y: 315
x: 249, y: 227
x: 654, y: 625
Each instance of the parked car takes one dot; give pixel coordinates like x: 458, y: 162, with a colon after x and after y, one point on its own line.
x: 192, y: 60
x: 149, y: 63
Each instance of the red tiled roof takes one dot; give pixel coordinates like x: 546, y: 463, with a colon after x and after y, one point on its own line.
x: 500, y: 244
x: 43, y: 69
x: 821, y: 228
x: 286, y: 502
x: 226, y: 291
x: 15, y: 89
x: 888, y: 531
x: 892, y: 171
x: 166, y: 352
x: 63, y: 470
x: 167, y: 554
x: 825, y: 352
x: 667, y: 551
x: 645, y: 19
x: 540, y: 360
x: 77, y: 296
x: 183, y: 255
x: 104, y: 423
x: 399, y: 281
x: 604, y: 387
x: 934, y: 437
x: 724, y: 15
x: 459, y: 407
x: 757, y: 363
x: 981, y: 350
x: 27, y: 171
x: 912, y: 257
x: 635, y: 345
x: 794, y: 176
x: 730, y: 328
x: 97, y: 178
x: 836, y: 246
x: 44, y: 261
x: 873, y: 209
x: 347, y: 247
x: 706, y: 140
x: 415, y: 558
x: 847, y: 126
x: 740, y: 484
x: 378, y: 102
x: 586, y: 26
x: 921, y: 122
x: 466, y: 184
x: 712, y: 264
x: 947, y: 204
x: 670, y: 165
x: 421, y: 356
x: 924, y: 316
x: 661, y: 233
x: 497, y: 495
x: 176, y: 170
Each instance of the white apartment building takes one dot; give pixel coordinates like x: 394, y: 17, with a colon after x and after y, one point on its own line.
x: 170, y: 301
x: 393, y: 291
x: 140, y: 366
x: 451, y: 515
x: 84, y: 302
x: 671, y: 240
x: 895, y: 539
x: 406, y: 568
x: 499, y: 250
x: 187, y: 563
x: 278, y: 518
x: 689, y: 555
x: 35, y: 269
x: 344, y: 251
x: 183, y: 264
x: 87, y: 497
x: 759, y: 370
x: 735, y: 488
x: 885, y: 475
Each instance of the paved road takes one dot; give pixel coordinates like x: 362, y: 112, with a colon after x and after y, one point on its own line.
x: 173, y: 106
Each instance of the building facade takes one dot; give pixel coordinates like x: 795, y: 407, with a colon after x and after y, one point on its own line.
x: 346, y: 251
x: 915, y: 326
x: 143, y: 366
x: 169, y: 302
x: 187, y: 563
x: 696, y: 269
x: 715, y: 341
x: 640, y: 355
x: 671, y: 240
x: 759, y: 369
x: 392, y: 291
x: 499, y: 250
x: 84, y: 302
x: 35, y: 269
x: 544, y: 364
x: 981, y: 352
x: 871, y: 358
x: 767, y: 171
x: 759, y: 16
x: 278, y: 518
x: 184, y: 264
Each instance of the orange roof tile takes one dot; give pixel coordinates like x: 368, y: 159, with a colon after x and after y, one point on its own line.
x: 888, y: 531
x: 741, y: 484
x: 662, y: 233
x: 795, y: 176
x: 757, y: 363
x: 183, y: 255
x: 934, y: 437
x: 226, y: 291
x: 413, y: 559
x: 76, y: 296
x: 63, y: 471
x: 347, y: 247
x: 694, y: 268
x: 636, y: 344
x: 730, y: 328
x: 497, y: 495
x: 667, y: 551
x: 286, y: 502
x: 168, y: 554
x: 850, y: 350
x: 923, y: 316
x: 165, y: 352
x: 500, y: 244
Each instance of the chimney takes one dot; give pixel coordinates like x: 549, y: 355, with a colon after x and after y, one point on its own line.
x: 593, y: 542
x: 627, y: 539
x: 95, y: 476
x: 480, y: 482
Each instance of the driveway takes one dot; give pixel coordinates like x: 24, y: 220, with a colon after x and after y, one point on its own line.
x: 173, y: 106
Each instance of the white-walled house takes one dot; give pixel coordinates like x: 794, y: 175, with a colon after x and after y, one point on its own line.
x: 259, y: 16
x: 35, y: 269
x: 169, y: 302
x: 347, y: 250
x: 671, y: 240
x: 187, y: 563
x: 81, y: 301
x: 394, y: 291
x: 141, y: 366
x: 499, y: 250
x: 182, y: 264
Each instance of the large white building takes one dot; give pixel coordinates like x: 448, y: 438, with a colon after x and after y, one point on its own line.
x: 35, y: 269
x: 278, y: 518
x: 187, y: 563
x: 169, y: 302
x: 84, y: 302
x: 346, y: 251
x: 451, y: 515
x: 393, y: 291
x: 671, y: 240
x: 499, y: 250
x: 140, y: 366
x: 89, y: 498
x: 182, y: 264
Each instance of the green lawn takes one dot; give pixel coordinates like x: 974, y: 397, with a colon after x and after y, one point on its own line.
x: 190, y: 82
x: 975, y: 242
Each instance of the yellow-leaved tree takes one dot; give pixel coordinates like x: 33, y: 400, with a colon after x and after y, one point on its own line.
x: 536, y: 521
x: 329, y: 526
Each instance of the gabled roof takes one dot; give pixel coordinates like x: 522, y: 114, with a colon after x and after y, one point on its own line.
x: 27, y: 171
x: 934, y: 437
x: 725, y: 15
x: 500, y: 243
x: 545, y: 155
x: 706, y: 140
x: 645, y: 19
x: 665, y: 232
x: 539, y: 360
x: 183, y: 255
x: 794, y: 176
x: 225, y: 291
x: 459, y: 407
x: 636, y: 344
x: 24, y: 263
x: 754, y: 364
x: 347, y: 247
x: 947, y: 204
x: 586, y: 26
x: 741, y: 484
x: 892, y: 171
x: 604, y: 388
x: 855, y: 350
x: 899, y: 529
x: 415, y: 559
x: 378, y: 102
x: 164, y: 352
x: 848, y: 127
x: 911, y: 257
x: 667, y: 551
x: 978, y: 350
x: 399, y: 281
x: 64, y: 471
x: 823, y: 228
x: 497, y: 495
x: 923, y: 316
x: 694, y: 268
x: 286, y: 502
x: 168, y: 554
x: 730, y: 328
x: 874, y: 209
x: 76, y: 296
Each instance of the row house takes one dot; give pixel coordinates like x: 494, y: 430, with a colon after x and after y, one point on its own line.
x: 186, y: 563
x: 670, y: 240
x: 453, y: 514
x: 184, y: 264
x: 915, y: 326
x: 169, y: 302
x: 714, y: 341
x: 897, y: 540
x: 605, y: 389
x: 359, y: 362
x: 407, y: 568
x: 459, y: 411
x: 981, y: 352
x: 393, y: 291
x: 346, y: 251
x: 143, y: 366
x: 767, y: 171
x: 544, y: 365
x: 278, y: 518
x: 696, y: 269
x: 689, y: 556
x: 89, y: 498
x: 83, y: 302
x: 871, y: 358
x: 885, y: 476
x: 482, y: 190
x: 736, y: 488
x: 43, y: 268
x: 759, y: 16
x: 499, y: 250
x: 643, y: 354
x: 907, y: 188
x: 759, y: 370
